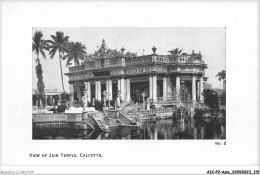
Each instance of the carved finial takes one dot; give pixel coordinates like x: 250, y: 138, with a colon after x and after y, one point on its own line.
x: 122, y: 49
x: 154, y: 49
x: 103, y: 43
x: 192, y: 51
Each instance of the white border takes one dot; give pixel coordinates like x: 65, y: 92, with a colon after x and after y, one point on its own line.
x: 240, y: 19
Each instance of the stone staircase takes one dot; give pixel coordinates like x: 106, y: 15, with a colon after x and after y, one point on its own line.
x: 125, y: 103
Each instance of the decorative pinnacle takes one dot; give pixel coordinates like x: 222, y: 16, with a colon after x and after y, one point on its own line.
x: 122, y: 49
x: 154, y: 49
x: 103, y: 43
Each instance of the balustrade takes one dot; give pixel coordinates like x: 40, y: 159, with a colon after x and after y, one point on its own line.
x: 57, y: 118
x: 76, y: 68
x: 147, y: 59
x: 167, y: 99
x: 150, y: 112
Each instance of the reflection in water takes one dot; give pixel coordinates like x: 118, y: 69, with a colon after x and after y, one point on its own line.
x: 162, y: 129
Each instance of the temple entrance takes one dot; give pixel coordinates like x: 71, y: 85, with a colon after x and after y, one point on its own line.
x: 78, y: 93
x: 93, y: 91
x: 114, y: 91
x: 103, y: 88
x: 137, y: 88
x: 159, y: 88
x: 185, y: 91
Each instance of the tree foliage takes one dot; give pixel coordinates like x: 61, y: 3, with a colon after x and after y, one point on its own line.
x: 221, y: 75
x: 211, y: 98
x: 75, y: 51
x: 175, y: 51
x: 59, y: 44
x: 223, y: 98
x: 39, y: 45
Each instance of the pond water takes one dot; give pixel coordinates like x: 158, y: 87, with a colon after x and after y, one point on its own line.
x: 213, y: 128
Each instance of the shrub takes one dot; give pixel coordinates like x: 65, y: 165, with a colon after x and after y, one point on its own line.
x: 211, y: 98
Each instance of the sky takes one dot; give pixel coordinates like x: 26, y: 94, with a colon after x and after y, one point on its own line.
x: 209, y: 41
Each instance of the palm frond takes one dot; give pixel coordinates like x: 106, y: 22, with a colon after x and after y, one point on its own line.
x: 52, y: 52
x: 42, y: 52
x: 39, y: 44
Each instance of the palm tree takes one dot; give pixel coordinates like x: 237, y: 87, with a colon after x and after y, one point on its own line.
x: 175, y: 51
x: 39, y: 45
x: 58, y: 44
x: 76, y: 51
x: 221, y: 76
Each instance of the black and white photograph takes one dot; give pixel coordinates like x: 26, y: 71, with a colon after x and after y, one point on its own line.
x: 120, y: 87
x: 86, y: 87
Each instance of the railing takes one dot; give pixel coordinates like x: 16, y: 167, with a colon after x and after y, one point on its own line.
x: 94, y: 123
x: 158, y: 110
x: 150, y: 112
x: 57, y: 117
x: 167, y: 99
x: 90, y: 65
x: 124, y: 120
x: 196, y: 58
x: 161, y: 59
x: 138, y: 60
x: 188, y: 70
x: 112, y: 62
x: 125, y: 103
x: 76, y: 68
x: 147, y: 59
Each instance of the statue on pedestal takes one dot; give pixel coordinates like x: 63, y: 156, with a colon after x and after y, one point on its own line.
x: 93, y: 102
x: 59, y: 98
x: 105, y: 97
x: 148, y: 103
x: 85, y: 100
x: 51, y: 101
x: 177, y: 97
x: 108, y: 97
x: 71, y: 100
x: 144, y: 104
x: 118, y: 98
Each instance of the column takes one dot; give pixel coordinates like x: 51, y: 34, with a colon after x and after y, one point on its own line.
x: 122, y: 89
x: 169, y: 87
x: 119, y: 85
x: 99, y: 90
x: 46, y: 98
x: 71, y: 91
x: 150, y: 87
x: 71, y: 88
x: 201, y: 90
x: 96, y: 90
x: 128, y: 91
x: 89, y: 92
x: 178, y: 87
x: 155, y: 133
x: 197, y: 89
x: 78, y: 93
x: 87, y: 87
x: 110, y: 89
x: 107, y: 85
x: 165, y: 89
x: 193, y: 88
x: 125, y: 90
x: 154, y: 88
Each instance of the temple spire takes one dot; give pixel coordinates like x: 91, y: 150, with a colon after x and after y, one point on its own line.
x: 103, y: 43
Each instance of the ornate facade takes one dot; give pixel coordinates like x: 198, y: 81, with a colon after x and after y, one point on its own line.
x: 163, y: 78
